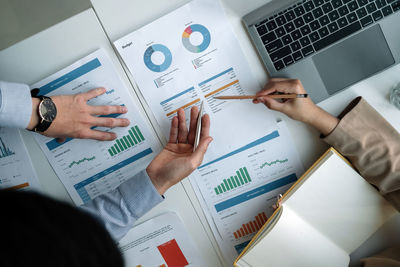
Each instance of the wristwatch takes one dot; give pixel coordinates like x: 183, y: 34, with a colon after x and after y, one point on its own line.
x: 47, y: 112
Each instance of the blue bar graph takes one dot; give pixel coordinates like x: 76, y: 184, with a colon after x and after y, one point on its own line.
x: 70, y: 76
x: 80, y: 187
x: 255, y: 192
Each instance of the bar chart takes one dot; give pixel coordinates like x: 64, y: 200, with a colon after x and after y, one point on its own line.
x: 172, y: 254
x: 242, y: 177
x: 4, y: 150
x: 134, y: 137
x: 252, y: 226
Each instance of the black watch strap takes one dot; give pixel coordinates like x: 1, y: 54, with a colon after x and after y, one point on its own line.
x: 35, y: 92
x: 43, y: 125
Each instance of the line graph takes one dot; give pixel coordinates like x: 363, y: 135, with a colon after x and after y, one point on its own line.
x: 269, y: 164
x: 81, y: 161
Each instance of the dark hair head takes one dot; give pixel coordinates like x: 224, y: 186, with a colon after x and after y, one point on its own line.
x: 39, y: 231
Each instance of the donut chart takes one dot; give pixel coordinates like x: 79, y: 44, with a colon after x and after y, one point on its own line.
x: 196, y: 28
x: 157, y: 48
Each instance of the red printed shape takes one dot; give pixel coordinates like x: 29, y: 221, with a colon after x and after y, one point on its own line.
x: 172, y: 254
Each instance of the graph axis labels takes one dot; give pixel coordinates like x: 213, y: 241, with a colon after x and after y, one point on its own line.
x: 157, y: 48
x: 186, y: 38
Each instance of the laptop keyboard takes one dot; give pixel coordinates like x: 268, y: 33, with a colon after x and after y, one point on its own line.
x: 311, y: 25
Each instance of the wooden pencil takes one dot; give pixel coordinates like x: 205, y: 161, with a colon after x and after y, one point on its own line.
x: 277, y: 96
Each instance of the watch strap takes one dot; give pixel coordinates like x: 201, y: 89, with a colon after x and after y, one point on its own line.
x: 35, y: 92
x: 43, y: 125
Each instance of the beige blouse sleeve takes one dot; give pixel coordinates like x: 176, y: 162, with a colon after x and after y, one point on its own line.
x: 372, y: 145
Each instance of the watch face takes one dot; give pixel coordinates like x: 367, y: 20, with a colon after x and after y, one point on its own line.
x: 47, y: 110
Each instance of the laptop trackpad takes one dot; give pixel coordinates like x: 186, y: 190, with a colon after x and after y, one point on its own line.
x: 354, y: 59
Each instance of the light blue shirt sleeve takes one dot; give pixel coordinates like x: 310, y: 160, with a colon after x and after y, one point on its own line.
x: 15, y: 105
x: 119, y: 209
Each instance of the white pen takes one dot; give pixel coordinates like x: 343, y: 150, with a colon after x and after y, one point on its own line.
x: 198, y: 127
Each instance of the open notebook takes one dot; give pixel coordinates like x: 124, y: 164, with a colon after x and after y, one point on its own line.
x: 323, y: 218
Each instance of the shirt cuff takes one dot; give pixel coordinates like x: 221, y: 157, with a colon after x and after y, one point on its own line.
x: 348, y: 119
x: 139, y: 194
x: 15, y: 105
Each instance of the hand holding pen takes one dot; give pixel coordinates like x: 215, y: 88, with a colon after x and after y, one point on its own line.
x: 295, y: 108
x: 301, y: 109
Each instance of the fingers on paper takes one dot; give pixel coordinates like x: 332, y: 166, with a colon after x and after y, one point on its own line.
x: 96, y: 135
x: 109, y: 122
x: 94, y: 93
x: 107, y: 110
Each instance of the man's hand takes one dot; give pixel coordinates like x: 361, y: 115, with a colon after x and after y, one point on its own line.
x: 177, y: 160
x: 75, y: 117
x: 301, y: 109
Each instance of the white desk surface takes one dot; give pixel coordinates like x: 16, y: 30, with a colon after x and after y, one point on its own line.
x: 55, y: 48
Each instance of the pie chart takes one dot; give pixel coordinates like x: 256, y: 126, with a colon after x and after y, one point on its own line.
x: 200, y: 29
x: 148, y: 61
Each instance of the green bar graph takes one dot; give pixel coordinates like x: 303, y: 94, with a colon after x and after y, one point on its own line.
x: 136, y: 134
x: 139, y: 133
x: 247, y: 174
x: 226, y: 184
x: 230, y: 183
x: 233, y: 181
x: 121, y: 148
x: 133, y: 138
x: 126, y: 141
x: 130, y: 140
x: 123, y: 144
x: 242, y: 177
x: 237, y: 181
x: 117, y: 148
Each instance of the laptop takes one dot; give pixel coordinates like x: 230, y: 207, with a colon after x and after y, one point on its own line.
x: 327, y: 44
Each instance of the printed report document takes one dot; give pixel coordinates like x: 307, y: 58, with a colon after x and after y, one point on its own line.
x: 89, y: 168
x: 162, y: 241
x: 16, y: 169
x: 187, y: 57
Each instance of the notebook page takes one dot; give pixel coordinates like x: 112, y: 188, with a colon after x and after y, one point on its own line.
x: 338, y: 202
x: 293, y: 242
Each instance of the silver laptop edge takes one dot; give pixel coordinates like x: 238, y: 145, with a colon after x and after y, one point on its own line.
x: 314, y: 70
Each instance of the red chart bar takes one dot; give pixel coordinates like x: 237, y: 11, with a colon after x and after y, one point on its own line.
x: 172, y: 254
x: 265, y: 217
